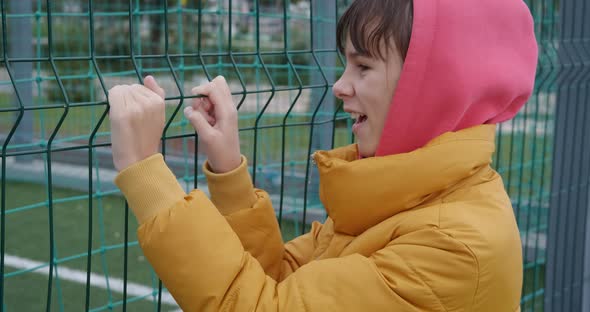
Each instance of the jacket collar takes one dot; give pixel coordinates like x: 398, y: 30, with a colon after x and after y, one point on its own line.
x: 360, y: 193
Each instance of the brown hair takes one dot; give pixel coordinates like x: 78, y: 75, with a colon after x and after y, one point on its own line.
x: 369, y: 23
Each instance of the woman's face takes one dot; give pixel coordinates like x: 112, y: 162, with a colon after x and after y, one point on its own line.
x: 366, y: 87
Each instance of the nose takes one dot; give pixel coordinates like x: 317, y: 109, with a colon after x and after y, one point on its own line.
x: 342, y: 88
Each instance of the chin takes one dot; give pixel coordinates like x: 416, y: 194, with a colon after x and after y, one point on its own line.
x: 366, y: 152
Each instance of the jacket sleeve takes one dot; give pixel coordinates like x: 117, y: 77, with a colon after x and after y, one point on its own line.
x: 203, y: 264
x: 250, y: 214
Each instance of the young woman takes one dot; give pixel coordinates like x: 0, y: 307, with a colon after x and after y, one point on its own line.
x: 418, y: 220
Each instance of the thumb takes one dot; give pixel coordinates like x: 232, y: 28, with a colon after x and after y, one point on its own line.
x: 198, y: 121
x: 150, y: 83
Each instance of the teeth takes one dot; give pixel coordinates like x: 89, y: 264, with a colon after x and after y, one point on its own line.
x: 356, y: 116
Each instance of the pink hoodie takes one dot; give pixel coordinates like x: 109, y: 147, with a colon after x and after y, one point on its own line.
x: 470, y: 62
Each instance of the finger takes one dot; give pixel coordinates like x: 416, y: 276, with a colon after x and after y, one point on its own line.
x: 141, y: 95
x: 154, y: 92
x: 224, y: 93
x: 116, y: 100
x: 144, y: 91
x: 196, y: 102
x: 199, y: 106
x: 216, y: 87
x: 204, y: 89
x: 219, y: 80
x: 198, y: 121
x: 150, y: 83
x: 204, y: 104
x: 149, y: 97
x: 219, y: 95
x: 204, y: 101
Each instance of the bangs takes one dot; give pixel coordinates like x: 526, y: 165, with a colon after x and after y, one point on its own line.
x: 371, y: 23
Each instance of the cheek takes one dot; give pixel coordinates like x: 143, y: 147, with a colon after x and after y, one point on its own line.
x: 386, y: 98
x: 385, y: 103
x: 376, y: 95
x: 380, y: 110
x: 379, y: 99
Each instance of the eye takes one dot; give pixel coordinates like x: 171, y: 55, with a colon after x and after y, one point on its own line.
x: 362, y: 67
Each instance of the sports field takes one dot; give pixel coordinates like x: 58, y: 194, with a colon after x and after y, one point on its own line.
x: 28, y: 229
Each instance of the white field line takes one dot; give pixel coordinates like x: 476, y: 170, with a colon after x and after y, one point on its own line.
x: 76, y: 276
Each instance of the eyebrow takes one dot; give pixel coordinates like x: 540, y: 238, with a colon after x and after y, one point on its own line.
x: 355, y: 54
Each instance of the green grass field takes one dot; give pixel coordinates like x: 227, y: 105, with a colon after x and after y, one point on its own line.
x: 27, y: 236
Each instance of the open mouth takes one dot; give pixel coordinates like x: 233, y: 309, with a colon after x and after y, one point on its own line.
x: 359, y: 121
x: 359, y: 118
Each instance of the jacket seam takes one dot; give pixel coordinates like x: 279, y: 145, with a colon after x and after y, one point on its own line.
x: 424, y: 280
x: 477, y: 272
x: 231, y: 299
x: 300, y: 290
x: 442, y: 203
x: 474, y: 257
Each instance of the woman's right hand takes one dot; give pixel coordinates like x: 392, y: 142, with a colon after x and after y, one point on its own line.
x: 215, y: 119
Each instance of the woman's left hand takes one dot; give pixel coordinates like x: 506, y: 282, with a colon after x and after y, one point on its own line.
x: 137, y: 114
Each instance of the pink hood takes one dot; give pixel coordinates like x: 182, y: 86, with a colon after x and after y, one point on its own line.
x: 470, y: 62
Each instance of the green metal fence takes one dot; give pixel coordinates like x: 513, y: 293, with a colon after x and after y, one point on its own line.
x: 67, y: 238
x: 567, y: 261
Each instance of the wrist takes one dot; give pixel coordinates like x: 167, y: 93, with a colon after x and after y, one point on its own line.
x: 231, y: 191
x: 131, y: 160
x: 226, y: 164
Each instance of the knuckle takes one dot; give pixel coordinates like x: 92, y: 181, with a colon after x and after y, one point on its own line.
x: 134, y: 109
x: 114, y: 91
x: 116, y: 116
x: 158, y: 103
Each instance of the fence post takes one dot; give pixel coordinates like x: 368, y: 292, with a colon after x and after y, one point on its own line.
x: 567, y: 279
x: 586, y: 285
x: 21, y: 41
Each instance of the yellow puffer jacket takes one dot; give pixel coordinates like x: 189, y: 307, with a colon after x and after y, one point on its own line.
x: 430, y: 230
